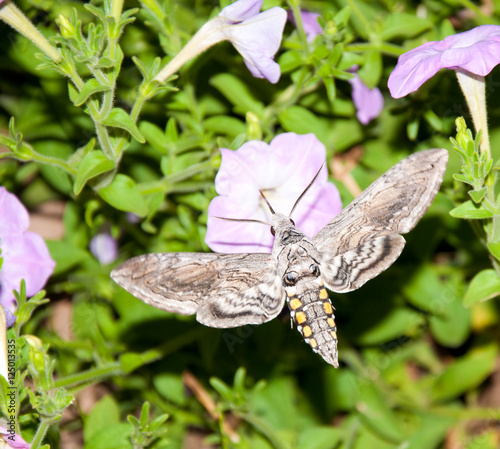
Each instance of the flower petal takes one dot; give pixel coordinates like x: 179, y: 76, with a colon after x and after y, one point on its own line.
x: 309, y: 22
x: 15, y: 216
x: 475, y: 50
x: 369, y: 102
x: 13, y: 440
x: 25, y: 257
x: 257, y: 39
x: 241, y: 10
x: 10, y: 319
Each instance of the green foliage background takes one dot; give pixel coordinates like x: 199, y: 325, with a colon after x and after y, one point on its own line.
x: 417, y: 365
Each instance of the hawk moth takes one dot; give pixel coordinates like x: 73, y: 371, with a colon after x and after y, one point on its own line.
x: 231, y: 290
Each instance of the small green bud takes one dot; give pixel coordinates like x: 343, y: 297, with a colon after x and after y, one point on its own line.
x: 254, y: 131
x: 67, y: 29
x: 36, y: 360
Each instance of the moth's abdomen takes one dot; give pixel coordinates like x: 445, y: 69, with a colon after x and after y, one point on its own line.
x: 312, y: 311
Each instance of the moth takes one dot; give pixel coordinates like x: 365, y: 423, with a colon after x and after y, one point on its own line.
x: 231, y: 290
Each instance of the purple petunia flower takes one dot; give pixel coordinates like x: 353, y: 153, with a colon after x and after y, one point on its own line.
x: 12, y: 439
x: 472, y: 54
x: 475, y: 51
x: 104, y: 247
x: 368, y: 102
x: 309, y: 22
x: 256, y: 36
x: 282, y: 170
x: 25, y: 254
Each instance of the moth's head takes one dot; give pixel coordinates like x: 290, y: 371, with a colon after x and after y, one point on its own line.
x: 280, y: 222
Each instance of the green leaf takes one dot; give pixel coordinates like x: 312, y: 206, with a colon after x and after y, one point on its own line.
x: 55, y: 176
x: 371, y: 72
x: 92, y: 164
x: 171, y: 131
x: 469, y: 210
x: 452, y: 322
x: 302, y: 121
x: 237, y: 93
x: 104, y: 414
x: 342, y: 17
x: 170, y: 386
x: 485, y: 285
x: 154, y: 136
x: 494, y: 249
x: 130, y: 361
x: 118, y: 118
x: 477, y: 195
x: 223, y: 124
x: 145, y: 415
x: 319, y: 438
x: 377, y: 416
x: 403, y: 25
x: 124, y: 195
x: 449, y: 320
x: 65, y: 255
x: 91, y: 87
x: 290, y: 61
x: 399, y: 321
x: 430, y: 433
x: 466, y: 373
x: 116, y: 436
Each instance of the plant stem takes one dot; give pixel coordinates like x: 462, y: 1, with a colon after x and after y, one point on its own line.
x: 45, y: 423
x: 473, y: 87
x: 385, y: 48
x: 91, y: 375
x: 295, y: 5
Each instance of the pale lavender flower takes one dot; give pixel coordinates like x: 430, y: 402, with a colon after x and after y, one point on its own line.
x: 368, y: 102
x: 256, y: 36
x: 309, y: 22
x: 25, y: 254
x: 282, y: 170
x: 477, y: 51
x: 104, y: 247
x: 12, y: 439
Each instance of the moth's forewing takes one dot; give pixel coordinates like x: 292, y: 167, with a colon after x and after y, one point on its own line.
x: 224, y: 290
x: 393, y: 204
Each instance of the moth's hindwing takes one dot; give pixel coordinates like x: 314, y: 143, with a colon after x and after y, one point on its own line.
x: 224, y: 290
x: 312, y: 311
x: 349, y: 271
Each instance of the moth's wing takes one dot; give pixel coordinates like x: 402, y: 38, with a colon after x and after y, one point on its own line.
x: 224, y: 290
x: 392, y: 205
x: 345, y: 272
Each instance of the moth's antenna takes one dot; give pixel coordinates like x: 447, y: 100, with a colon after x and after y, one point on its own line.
x: 306, y: 189
x: 267, y: 202
x: 247, y: 220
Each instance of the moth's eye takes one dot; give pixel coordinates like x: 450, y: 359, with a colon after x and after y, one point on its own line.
x: 290, y: 279
x: 272, y: 231
x: 314, y: 269
x: 291, y: 221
